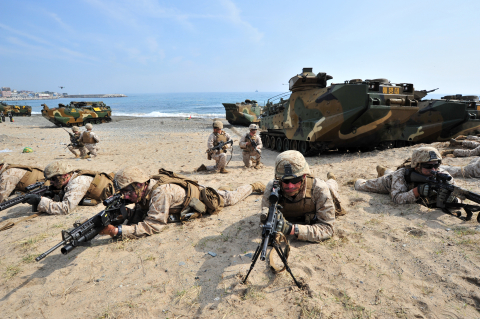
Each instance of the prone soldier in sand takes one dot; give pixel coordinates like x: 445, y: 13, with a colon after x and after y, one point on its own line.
x: 473, y: 148
x: 168, y: 197
x: 77, y: 144
x: 309, y: 204
x: 424, y: 160
x: 14, y: 177
x: 90, y: 140
x: 471, y: 170
x: 71, y: 188
x: 219, y: 136
x: 251, y: 151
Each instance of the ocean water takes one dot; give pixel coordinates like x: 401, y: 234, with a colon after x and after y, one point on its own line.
x: 163, y: 104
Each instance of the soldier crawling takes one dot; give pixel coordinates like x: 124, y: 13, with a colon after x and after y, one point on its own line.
x: 249, y: 152
x: 82, y: 152
x: 424, y: 160
x: 466, y: 142
x: 168, y: 197
x: 309, y: 204
x: 90, y: 140
x: 72, y: 188
x: 220, y: 156
x: 14, y: 177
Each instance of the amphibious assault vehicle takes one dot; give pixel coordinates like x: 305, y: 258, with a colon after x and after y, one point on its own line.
x: 355, y: 114
x: 78, y: 113
x: 16, y: 110
x: 244, y: 113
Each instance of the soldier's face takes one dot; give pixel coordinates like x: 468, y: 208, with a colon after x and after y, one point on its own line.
x: 427, y: 168
x: 253, y: 132
x: 290, y: 188
x: 217, y: 130
x: 133, y: 194
x: 58, y: 181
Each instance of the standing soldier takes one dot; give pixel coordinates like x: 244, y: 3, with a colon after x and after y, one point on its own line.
x: 250, y: 151
x: 90, y: 140
x: 220, y: 156
x: 3, y: 116
x: 168, y: 197
x: 15, y: 177
x: 78, y: 145
x: 10, y: 116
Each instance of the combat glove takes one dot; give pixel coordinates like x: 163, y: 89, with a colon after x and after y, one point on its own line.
x: 446, y: 196
x: 32, y: 199
x: 283, y: 225
x: 425, y: 190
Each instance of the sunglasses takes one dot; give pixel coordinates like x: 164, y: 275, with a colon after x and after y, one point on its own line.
x: 294, y: 180
x: 431, y: 166
x: 128, y: 190
x: 55, y: 178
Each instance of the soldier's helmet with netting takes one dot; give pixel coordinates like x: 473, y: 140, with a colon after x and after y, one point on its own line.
x: 57, y: 168
x: 129, y: 175
x: 217, y: 124
x: 290, y: 164
x: 253, y: 127
x: 75, y: 129
x: 425, y: 154
x: 89, y: 126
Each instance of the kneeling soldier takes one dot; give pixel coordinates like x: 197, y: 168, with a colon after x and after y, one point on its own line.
x: 72, y: 188
x: 80, y: 146
x: 220, y: 156
x: 309, y: 204
x: 14, y: 177
x: 90, y: 140
x: 168, y: 197
x: 249, y: 151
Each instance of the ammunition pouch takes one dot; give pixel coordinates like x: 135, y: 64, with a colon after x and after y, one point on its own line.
x: 32, y: 176
x: 101, y: 187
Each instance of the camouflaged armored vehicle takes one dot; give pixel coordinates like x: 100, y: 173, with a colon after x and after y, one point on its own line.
x: 439, y: 120
x: 244, y: 113
x: 350, y: 115
x: 16, y: 110
x: 78, y: 113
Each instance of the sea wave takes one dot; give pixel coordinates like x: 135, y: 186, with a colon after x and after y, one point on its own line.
x: 161, y: 114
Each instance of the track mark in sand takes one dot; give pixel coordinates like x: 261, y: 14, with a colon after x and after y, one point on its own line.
x: 473, y: 280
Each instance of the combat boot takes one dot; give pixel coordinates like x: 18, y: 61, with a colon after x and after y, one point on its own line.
x: 381, y: 170
x: 202, y: 168
x: 77, y: 156
x: 223, y: 171
x: 258, y: 187
x: 330, y: 175
x: 446, y: 152
x: 85, y: 156
x: 454, y: 142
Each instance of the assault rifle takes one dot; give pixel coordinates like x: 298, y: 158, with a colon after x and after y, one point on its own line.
x: 219, y: 146
x: 37, y: 188
x: 269, y: 234
x: 439, y: 181
x: 253, y: 143
x: 115, y: 213
x: 73, y: 140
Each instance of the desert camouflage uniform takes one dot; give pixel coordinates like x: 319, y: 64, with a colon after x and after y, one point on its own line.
x: 82, y: 150
x: 393, y: 183
x: 171, y: 196
x: 75, y: 190
x: 249, y: 152
x: 91, y: 147
x: 9, y: 178
x: 325, y: 209
x: 473, y: 151
x: 220, y: 156
x: 472, y: 170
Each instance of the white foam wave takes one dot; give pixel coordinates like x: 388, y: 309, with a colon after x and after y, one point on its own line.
x: 160, y: 114
x: 33, y: 112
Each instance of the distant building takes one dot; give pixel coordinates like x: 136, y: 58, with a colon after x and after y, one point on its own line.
x: 6, y: 93
x: 6, y: 89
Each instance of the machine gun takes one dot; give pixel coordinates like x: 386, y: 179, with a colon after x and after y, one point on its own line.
x: 115, y: 214
x: 74, y: 140
x: 269, y: 234
x: 219, y: 146
x: 38, y: 188
x: 253, y: 143
x: 439, y: 181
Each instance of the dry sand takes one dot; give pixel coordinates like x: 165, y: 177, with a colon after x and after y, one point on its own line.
x: 385, y: 261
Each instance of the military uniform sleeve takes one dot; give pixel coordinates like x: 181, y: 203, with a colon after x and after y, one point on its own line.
x: 163, y: 198
x: 399, y: 191
x: 325, y: 213
x: 243, y: 142
x: 74, y: 192
x: 95, y: 137
x: 211, y: 140
x: 9, y: 180
x: 258, y: 140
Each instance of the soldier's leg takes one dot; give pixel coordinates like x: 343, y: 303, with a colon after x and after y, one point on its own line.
x: 256, y: 158
x: 73, y: 150
x: 466, y: 153
x: 376, y: 185
x: 222, y: 161
x: 470, y: 144
x: 92, y: 149
x: 233, y: 197
x: 246, y: 159
x: 218, y: 161
x: 83, y: 151
x: 472, y: 170
x: 9, y: 182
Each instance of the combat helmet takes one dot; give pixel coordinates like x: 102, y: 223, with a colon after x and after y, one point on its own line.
x: 253, y: 127
x: 89, y: 126
x: 129, y: 175
x: 217, y: 124
x: 425, y: 154
x: 57, y: 168
x: 75, y: 129
x: 298, y: 164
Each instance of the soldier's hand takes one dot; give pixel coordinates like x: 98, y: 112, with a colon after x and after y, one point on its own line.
x: 283, y: 225
x: 446, y: 196
x: 109, y: 230
x: 32, y: 199
x: 425, y: 190
x: 247, y: 143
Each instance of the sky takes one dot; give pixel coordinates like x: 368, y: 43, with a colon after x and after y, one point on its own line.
x: 148, y: 46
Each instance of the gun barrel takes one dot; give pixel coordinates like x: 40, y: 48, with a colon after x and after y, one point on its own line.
x: 264, y: 248
x: 45, y: 254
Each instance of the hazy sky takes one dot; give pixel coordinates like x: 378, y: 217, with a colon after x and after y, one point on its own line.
x: 148, y: 46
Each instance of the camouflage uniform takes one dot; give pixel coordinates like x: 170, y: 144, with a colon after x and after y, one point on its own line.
x: 473, y: 151
x: 10, y: 116
x: 88, y: 136
x: 82, y: 150
x: 171, y: 196
x: 472, y: 170
x: 248, y: 151
x: 9, y: 178
x: 220, y: 156
x: 3, y: 116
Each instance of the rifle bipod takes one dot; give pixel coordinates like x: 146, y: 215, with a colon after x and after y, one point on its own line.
x: 280, y: 253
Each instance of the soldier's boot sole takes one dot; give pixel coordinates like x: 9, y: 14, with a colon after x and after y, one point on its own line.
x: 381, y: 170
x: 330, y: 175
x: 258, y: 187
x: 223, y: 171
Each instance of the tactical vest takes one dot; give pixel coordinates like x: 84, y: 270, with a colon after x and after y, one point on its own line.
x: 100, y: 188
x: 249, y: 148
x: 297, y: 210
x: 86, y: 138
x: 197, y: 200
x: 220, y: 137
x: 32, y: 176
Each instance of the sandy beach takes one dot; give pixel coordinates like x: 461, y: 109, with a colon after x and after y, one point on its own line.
x: 385, y: 260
